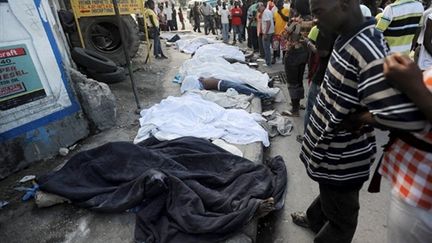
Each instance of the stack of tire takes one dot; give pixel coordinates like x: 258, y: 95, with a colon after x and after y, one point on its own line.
x: 97, y: 66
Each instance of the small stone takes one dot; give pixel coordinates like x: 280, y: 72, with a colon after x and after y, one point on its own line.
x: 63, y: 151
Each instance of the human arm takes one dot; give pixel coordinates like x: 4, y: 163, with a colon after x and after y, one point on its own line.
x: 385, y: 20
x: 283, y: 16
x: 390, y: 108
x: 405, y: 75
x: 427, y: 41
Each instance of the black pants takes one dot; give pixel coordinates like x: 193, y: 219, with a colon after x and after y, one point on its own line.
x: 253, y: 38
x: 261, y: 46
x: 295, y: 65
x: 197, y: 23
x: 333, y: 214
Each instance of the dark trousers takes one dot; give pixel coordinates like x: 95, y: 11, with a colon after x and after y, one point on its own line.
x: 295, y: 65
x: 253, y: 38
x: 333, y: 214
x: 260, y: 45
x: 197, y: 24
x: 157, y: 49
x: 208, y: 24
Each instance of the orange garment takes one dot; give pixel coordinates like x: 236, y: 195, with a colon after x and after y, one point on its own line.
x: 280, y: 23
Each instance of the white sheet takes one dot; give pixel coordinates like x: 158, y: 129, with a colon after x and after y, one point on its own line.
x: 191, y: 45
x: 191, y: 115
x: 220, y: 50
x: 208, y: 66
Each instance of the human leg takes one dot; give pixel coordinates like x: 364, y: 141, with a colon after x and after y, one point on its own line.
x: 312, y: 96
x: 225, y: 32
x: 241, y: 88
x: 267, y: 50
x: 341, y: 210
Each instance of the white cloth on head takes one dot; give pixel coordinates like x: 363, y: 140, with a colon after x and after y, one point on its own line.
x: 365, y: 11
x: 191, y: 115
x: 208, y: 66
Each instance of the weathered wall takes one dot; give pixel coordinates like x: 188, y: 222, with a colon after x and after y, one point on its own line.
x: 37, y: 129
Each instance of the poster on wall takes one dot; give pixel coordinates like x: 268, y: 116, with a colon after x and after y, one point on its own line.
x: 19, y: 80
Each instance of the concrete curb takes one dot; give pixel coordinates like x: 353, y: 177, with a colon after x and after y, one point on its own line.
x: 255, y: 153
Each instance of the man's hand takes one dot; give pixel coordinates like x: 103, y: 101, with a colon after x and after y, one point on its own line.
x: 356, y: 121
x: 402, y: 73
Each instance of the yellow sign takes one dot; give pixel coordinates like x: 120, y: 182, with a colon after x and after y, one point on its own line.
x: 90, y: 8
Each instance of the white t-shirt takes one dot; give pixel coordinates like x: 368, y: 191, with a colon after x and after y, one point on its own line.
x: 267, y: 16
x: 365, y: 11
x: 224, y: 13
x: 425, y: 18
x: 168, y: 12
x: 425, y: 59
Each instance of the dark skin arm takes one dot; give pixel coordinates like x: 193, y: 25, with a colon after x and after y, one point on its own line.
x: 427, y: 42
x: 405, y: 75
x: 284, y: 17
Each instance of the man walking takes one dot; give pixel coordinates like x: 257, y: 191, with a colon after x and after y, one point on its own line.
x: 207, y: 12
x: 335, y: 156
x: 267, y: 26
x: 236, y: 22
x: 399, y: 24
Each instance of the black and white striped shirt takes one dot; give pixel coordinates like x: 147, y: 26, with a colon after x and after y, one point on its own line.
x: 354, y: 80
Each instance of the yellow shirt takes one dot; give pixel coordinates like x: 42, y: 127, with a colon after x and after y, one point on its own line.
x: 313, y: 34
x: 279, y: 22
x: 149, y: 13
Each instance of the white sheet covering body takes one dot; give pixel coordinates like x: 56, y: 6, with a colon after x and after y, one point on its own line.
x: 191, y: 115
x: 208, y: 66
x: 221, y: 50
x: 191, y: 45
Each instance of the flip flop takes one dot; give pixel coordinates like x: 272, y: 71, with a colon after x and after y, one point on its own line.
x: 300, y: 219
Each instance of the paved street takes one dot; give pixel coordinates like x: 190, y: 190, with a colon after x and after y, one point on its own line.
x: 23, y: 222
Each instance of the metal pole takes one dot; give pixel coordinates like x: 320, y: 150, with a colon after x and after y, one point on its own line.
x: 125, y: 51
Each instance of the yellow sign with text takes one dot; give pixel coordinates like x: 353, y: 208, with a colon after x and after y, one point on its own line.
x: 90, y: 8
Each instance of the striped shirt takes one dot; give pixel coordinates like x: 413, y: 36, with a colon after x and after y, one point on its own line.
x: 354, y: 81
x: 399, y: 24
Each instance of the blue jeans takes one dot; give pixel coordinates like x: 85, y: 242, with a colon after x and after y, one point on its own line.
x: 266, y: 46
x: 313, y: 93
x: 225, y: 31
x: 237, y: 29
x: 157, y: 49
x: 241, y: 89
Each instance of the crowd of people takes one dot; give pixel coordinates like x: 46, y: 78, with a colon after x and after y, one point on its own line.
x: 365, y: 61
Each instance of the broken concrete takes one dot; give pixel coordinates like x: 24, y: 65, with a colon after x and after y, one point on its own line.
x: 97, y: 100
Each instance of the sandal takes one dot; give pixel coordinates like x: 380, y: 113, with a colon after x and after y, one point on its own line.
x: 300, y: 219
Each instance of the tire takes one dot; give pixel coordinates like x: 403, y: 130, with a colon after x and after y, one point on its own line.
x: 110, y: 78
x: 102, y: 34
x: 92, y: 60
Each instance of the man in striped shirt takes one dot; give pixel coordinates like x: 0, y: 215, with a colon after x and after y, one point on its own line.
x: 338, y: 159
x: 399, y: 24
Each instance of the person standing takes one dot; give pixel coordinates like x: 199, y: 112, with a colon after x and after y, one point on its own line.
x: 252, y: 27
x: 267, y: 26
x: 154, y: 29
x: 337, y: 152
x: 207, y: 12
x: 195, y: 15
x: 296, y: 52
x: 181, y: 18
x: 174, y: 17
x: 236, y: 22
x: 168, y: 15
x: 259, y: 29
x: 224, y: 13
x: 281, y: 17
x: 399, y: 24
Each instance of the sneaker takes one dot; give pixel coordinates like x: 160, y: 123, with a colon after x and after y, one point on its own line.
x: 265, y: 65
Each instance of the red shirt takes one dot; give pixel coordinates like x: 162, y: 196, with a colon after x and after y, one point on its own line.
x: 236, y: 14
